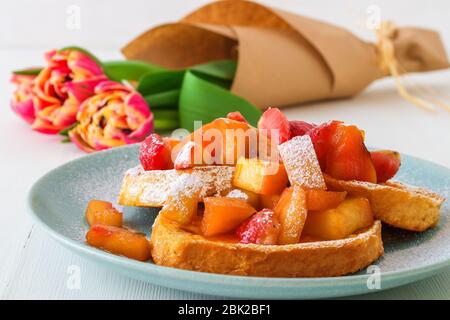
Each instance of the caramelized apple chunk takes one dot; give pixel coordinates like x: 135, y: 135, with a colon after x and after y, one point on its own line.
x: 269, y: 201
x: 182, y: 202
x: 103, y: 212
x: 348, y: 158
x: 291, y: 212
x: 317, y: 199
x: 249, y: 196
x: 222, y: 141
x: 260, y: 176
x: 119, y: 241
x: 351, y: 215
x: 224, y: 215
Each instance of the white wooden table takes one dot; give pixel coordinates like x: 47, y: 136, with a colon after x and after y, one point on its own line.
x: 34, y: 266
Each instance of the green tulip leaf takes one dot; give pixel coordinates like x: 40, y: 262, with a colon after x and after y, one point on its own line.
x: 159, y: 82
x: 203, y: 101
x: 222, y: 69
x: 65, y: 132
x: 166, y: 99
x: 129, y: 69
x: 28, y: 72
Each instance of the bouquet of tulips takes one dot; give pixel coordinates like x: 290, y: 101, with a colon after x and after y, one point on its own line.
x: 225, y: 56
x: 99, y: 105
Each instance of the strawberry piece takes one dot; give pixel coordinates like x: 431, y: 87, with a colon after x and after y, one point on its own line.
x: 300, y: 128
x: 154, y: 153
x: 386, y: 164
x: 261, y: 228
x: 237, y: 116
x: 274, y: 119
x: 348, y: 158
x: 321, y: 137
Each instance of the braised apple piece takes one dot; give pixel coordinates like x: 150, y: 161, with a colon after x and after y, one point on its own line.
x: 249, y: 196
x: 268, y: 201
x: 260, y: 176
x: 261, y: 228
x: 182, y: 201
x: 348, y: 158
x: 351, y: 215
x: 386, y: 162
x: 224, y: 214
x: 291, y: 212
x: 103, y: 212
x: 317, y: 199
x: 119, y: 241
x: 221, y: 141
x: 300, y: 161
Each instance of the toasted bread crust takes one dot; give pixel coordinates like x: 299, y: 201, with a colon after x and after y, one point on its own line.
x: 150, y: 188
x: 394, y: 203
x: 174, y: 247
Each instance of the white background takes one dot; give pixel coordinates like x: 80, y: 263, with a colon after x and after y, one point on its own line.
x: 33, y: 266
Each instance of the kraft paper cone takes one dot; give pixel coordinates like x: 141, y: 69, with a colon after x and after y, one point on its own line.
x: 283, y: 58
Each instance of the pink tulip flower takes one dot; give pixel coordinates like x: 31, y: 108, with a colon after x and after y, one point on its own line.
x: 116, y: 115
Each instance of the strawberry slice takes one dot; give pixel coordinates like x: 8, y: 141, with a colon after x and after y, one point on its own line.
x: 237, y: 116
x: 321, y: 137
x: 300, y: 128
x: 387, y: 163
x: 274, y: 119
x: 154, y: 153
x: 261, y: 228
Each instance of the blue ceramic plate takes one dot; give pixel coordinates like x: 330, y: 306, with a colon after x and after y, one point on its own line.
x: 58, y: 200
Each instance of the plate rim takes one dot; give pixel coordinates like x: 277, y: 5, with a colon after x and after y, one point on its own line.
x: 403, y: 275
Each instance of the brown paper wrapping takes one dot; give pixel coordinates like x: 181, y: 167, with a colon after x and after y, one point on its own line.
x: 283, y: 58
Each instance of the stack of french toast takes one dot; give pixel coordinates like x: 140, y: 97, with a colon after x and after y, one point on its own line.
x: 283, y: 199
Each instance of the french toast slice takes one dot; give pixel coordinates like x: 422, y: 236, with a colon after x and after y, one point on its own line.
x: 395, y: 203
x: 173, y: 246
x: 151, y: 188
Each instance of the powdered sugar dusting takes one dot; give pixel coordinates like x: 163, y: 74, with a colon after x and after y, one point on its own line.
x: 186, y: 187
x: 301, y: 162
x: 186, y: 184
x: 153, y: 187
x: 216, y: 180
x: 237, y: 194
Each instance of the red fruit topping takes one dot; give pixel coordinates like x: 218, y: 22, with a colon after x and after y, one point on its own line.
x: 154, y: 154
x: 274, y: 119
x: 386, y: 164
x: 237, y: 116
x: 348, y: 158
x: 300, y: 128
x: 261, y: 228
x: 321, y: 137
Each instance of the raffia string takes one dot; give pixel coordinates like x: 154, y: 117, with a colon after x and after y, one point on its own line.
x: 389, y: 63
